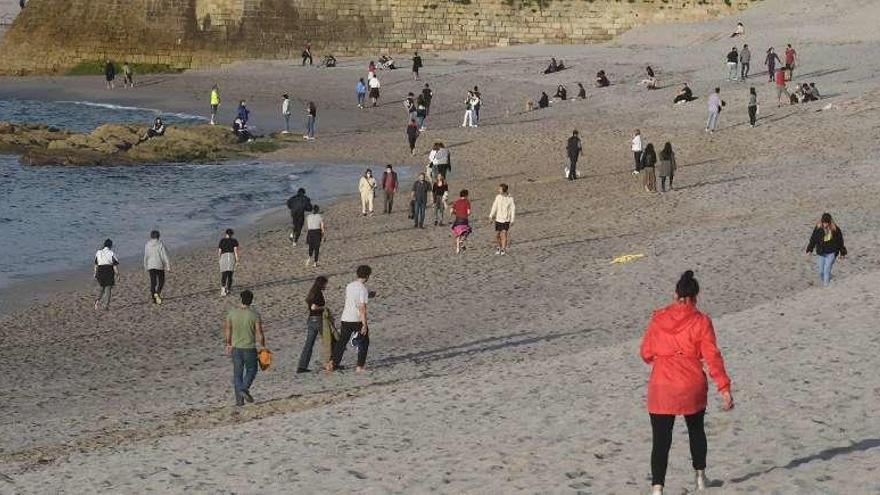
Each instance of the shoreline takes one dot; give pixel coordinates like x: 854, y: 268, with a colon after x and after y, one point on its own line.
x: 522, y: 368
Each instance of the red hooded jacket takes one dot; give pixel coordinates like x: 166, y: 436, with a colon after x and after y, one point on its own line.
x: 678, y: 340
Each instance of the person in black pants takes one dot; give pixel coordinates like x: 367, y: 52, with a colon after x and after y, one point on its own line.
x: 316, y: 305
x: 661, y: 428
x: 298, y: 205
x: 354, y: 321
x: 574, y: 149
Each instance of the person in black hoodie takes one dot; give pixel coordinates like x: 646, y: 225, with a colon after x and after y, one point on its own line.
x: 649, y: 159
x: 298, y: 206
x: 544, y: 100
x: 827, y: 241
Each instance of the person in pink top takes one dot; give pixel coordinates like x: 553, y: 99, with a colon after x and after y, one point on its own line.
x: 677, y: 342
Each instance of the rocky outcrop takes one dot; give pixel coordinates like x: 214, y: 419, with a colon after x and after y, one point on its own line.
x: 120, y: 144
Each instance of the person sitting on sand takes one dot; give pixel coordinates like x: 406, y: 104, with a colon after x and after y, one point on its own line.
x: 544, y: 100
x: 241, y: 131
x: 650, y: 80
x: 553, y: 67
x: 243, y: 113
x: 582, y: 92
x: 796, y: 96
x: 386, y: 63
x: 561, y: 92
x: 739, y: 31
x: 560, y: 66
x: 815, y: 91
x: 158, y: 129
x: 328, y: 61
x: 678, y: 340
x: 602, y: 80
x: 807, y: 91
x: 685, y: 94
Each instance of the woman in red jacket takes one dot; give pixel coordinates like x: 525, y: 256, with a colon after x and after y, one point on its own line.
x: 678, y: 340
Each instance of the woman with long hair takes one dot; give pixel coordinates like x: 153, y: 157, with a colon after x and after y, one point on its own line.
x: 677, y: 342
x: 440, y: 193
x: 649, y: 160
x: 316, y: 305
x: 827, y: 241
x: 666, y: 167
x: 106, y: 270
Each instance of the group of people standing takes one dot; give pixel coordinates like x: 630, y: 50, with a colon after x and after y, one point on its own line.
x: 645, y: 160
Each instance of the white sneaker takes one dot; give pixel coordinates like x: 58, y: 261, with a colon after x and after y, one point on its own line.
x: 635, y: 172
x: 700, y: 480
x: 503, y: 253
x: 497, y: 251
x: 222, y: 291
x: 308, y: 261
x: 657, y: 490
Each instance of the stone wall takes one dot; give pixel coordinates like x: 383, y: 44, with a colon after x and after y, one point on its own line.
x: 53, y: 35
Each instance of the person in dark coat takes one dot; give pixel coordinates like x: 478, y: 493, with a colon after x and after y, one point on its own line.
x: 298, y: 205
x: 574, y: 149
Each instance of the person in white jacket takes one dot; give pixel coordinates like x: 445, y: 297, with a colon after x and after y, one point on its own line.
x: 503, y: 213
x: 285, y: 112
x: 156, y: 263
x: 637, y: 147
x: 367, y: 188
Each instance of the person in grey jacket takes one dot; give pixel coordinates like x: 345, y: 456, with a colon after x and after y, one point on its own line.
x: 745, y: 58
x: 156, y: 262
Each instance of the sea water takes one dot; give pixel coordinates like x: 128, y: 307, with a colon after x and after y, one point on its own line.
x: 55, y: 218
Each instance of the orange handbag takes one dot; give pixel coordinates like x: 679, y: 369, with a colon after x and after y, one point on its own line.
x: 264, y: 356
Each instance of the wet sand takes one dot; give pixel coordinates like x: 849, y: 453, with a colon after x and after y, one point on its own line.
x: 499, y: 374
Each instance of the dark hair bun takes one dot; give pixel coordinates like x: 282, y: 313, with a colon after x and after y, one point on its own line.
x: 688, y: 275
x: 687, y: 286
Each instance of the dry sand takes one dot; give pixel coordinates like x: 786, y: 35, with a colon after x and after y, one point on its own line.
x: 514, y: 374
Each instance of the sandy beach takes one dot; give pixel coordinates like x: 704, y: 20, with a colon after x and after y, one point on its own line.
x: 490, y: 374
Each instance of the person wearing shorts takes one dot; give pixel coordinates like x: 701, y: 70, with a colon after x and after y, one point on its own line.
x: 461, y: 210
x: 503, y: 213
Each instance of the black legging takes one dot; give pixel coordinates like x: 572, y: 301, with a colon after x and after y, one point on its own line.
x: 157, y: 281
x: 753, y: 115
x: 298, y: 220
x: 226, y: 280
x: 661, y: 425
x: 313, y: 239
x: 346, y: 331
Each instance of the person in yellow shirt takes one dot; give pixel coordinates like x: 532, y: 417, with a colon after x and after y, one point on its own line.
x: 215, y: 102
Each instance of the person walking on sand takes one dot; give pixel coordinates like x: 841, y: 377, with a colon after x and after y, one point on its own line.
x: 240, y: 332
x: 354, y: 321
x: 361, y: 90
x: 678, y: 340
x: 667, y: 166
x: 770, y: 62
x: 412, y: 134
x: 440, y: 160
x: 311, y: 120
x: 732, y: 64
x: 649, y: 160
x: 215, y: 103
x: 461, y: 210
x: 416, y: 65
x: 409, y: 104
x: 468, y: 120
x: 745, y: 59
x: 753, y: 107
x: 110, y: 74
x: 637, y: 148
x: 307, y: 54
x: 389, y: 187
x: 127, y: 75
x: 715, y: 105
x: 374, y: 85
x: 285, y: 112
x: 827, y: 242
x: 429, y: 96
x: 367, y: 187
x: 478, y: 105
x: 421, y: 111
x: 781, y: 90
x: 791, y: 59
x: 574, y: 148
x: 156, y: 263
x: 420, y: 191
x: 440, y: 195
x: 106, y: 271
x: 314, y: 235
x: 316, y: 305
x: 503, y: 213
x: 298, y: 205
x: 229, y: 253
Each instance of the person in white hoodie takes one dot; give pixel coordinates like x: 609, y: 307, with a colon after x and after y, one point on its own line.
x: 156, y: 263
x: 367, y: 188
x: 715, y: 105
x: 503, y: 213
x: 637, y: 147
x: 285, y: 112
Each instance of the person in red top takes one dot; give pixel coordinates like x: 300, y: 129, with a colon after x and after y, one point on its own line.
x: 461, y: 227
x: 781, y: 89
x: 389, y: 185
x: 790, y: 61
x: 677, y: 341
